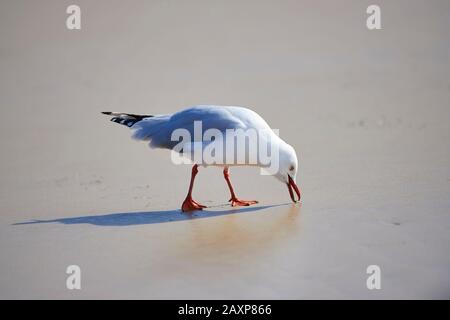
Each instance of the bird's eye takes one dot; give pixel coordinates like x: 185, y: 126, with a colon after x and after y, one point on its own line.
x: 291, y: 168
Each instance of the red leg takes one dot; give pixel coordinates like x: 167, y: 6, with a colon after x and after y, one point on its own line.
x: 189, y: 204
x: 234, y: 200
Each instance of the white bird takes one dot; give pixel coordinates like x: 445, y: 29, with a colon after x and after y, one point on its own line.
x: 159, y: 130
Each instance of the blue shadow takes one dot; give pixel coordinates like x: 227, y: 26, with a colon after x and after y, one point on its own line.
x: 150, y: 217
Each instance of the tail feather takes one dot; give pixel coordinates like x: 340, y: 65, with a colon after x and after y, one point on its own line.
x: 126, y: 119
x: 151, y: 128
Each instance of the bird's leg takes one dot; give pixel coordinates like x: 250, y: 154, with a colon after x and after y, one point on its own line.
x: 189, y: 204
x: 234, y: 200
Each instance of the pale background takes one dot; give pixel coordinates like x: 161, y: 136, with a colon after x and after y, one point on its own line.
x: 367, y: 111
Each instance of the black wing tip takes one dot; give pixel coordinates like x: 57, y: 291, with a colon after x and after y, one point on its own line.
x: 127, y: 115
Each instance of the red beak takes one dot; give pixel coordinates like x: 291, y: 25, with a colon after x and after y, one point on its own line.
x: 292, y: 186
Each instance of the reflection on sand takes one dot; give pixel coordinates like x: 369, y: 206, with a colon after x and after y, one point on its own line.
x: 235, y: 233
x: 217, y: 236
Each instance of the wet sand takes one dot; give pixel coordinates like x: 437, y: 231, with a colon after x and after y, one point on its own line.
x: 367, y: 111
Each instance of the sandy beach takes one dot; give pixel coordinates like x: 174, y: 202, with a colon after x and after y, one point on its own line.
x: 367, y: 111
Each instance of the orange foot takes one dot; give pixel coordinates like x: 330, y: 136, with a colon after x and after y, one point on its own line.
x: 190, y: 205
x: 235, y: 202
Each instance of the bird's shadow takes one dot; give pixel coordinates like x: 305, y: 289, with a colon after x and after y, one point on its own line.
x: 148, y: 217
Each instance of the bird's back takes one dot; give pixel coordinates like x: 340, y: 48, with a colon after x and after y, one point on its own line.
x: 209, y: 116
x: 158, y: 129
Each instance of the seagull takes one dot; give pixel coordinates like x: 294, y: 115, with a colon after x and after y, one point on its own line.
x: 158, y: 131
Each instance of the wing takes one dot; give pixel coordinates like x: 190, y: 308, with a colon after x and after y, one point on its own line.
x: 210, y: 117
x: 159, y: 129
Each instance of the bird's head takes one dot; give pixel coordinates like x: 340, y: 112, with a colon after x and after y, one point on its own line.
x: 287, y: 172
